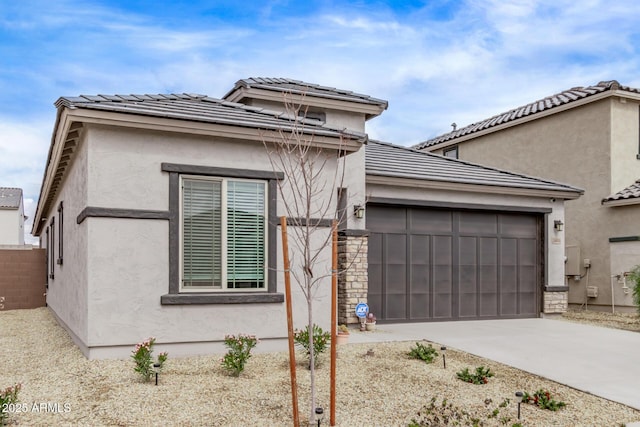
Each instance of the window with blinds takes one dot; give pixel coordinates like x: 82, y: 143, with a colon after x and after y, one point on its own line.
x: 223, y: 234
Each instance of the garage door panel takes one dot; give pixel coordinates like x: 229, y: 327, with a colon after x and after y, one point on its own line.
x: 396, y: 306
x: 488, y: 304
x: 383, y: 219
x: 528, y: 250
x: 442, y: 254
x: 431, y: 221
x: 518, y: 225
x: 442, y: 306
x: 508, y: 303
x: 508, y: 251
x: 438, y: 264
x: 478, y: 223
x: 420, y: 249
x: 419, y: 306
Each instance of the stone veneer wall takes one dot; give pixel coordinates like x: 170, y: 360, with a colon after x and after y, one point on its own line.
x: 555, y: 302
x: 353, y: 277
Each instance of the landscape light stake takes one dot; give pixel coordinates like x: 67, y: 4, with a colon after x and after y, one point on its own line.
x: 443, y: 349
x: 319, y: 415
x: 519, y: 396
x: 156, y: 369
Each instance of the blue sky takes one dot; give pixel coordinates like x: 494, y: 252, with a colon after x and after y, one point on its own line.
x: 436, y: 62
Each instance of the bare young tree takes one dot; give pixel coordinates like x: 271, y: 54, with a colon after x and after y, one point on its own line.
x: 308, y: 193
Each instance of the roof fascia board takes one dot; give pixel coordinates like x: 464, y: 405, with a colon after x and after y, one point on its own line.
x: 473, y: 188
x: 64, y: 125
x: 622, y: 202
x: 370, y: 110
x: 327, y: 139
x: 529, y: 118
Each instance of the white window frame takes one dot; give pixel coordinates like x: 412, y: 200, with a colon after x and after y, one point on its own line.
x: 223, y: 235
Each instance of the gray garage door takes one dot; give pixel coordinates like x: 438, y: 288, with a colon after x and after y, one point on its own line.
x: 439, y: 264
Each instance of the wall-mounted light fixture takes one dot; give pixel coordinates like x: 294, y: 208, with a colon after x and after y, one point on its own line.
x: 358, y: 211
x: 558, y: 225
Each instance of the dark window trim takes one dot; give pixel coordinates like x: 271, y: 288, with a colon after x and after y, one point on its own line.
x: 556, y: 289
x: 624, y: 239
x: 460, y: 206
x: 93, y: 212
x: 453, y: 149
x: 60, y: 231
x: 52, y: 243
x: 174, y: 296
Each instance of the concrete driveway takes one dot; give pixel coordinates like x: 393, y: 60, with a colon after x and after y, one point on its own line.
x: 600, y: 361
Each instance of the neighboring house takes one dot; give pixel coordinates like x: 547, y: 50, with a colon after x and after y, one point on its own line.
x: 586, y: 136
x: 145, y: 195
x: 11, y: 217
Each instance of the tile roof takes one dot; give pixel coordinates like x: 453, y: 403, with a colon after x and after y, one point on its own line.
x: 629, y: 194
x: 199, y: 108
x: 10, y: 198
x: 554, y: 101
x: 300, y: 87
x: 390, y: 160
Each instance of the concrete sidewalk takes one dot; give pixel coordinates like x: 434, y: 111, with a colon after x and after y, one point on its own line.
x: 600, y: 361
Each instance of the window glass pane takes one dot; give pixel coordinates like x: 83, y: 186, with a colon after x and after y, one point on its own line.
x: 202, y: 225
x: 245, y: 234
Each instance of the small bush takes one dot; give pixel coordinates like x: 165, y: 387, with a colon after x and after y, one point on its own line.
x: 423, y: 352
x: 239, y: 352
x: 480, y: 376
x: 320, y: 340
x: 542, y: 399
x: 8, y: 396
x: 142, y: 356
x: 444, y: 414
x: 635, y: 279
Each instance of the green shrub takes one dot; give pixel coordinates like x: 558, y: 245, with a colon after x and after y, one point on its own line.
x: 422, y: 352
x: 142, y: 356
x: 8, y: 396
x: 542, y: 399
x: 635, y: 278
x: 239, y: 352
x: 480, y: 376
x: 320, y: 340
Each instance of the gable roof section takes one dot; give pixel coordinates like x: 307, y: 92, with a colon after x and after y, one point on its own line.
x: 201, y: 108
x: 10, y: 197
x: 563, y: 100
x: 393, y: 161
x: 261, y: 87
x: 188, y: 113
x: 627, y: 196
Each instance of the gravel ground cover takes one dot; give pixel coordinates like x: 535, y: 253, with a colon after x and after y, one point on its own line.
x: 626, y: 321
x: 377, y: 385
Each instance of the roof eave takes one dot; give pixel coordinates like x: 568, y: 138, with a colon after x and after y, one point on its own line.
x: 386, y: 179
x: 622, y: 202
x: 531, y: 117
x: 369, y: 109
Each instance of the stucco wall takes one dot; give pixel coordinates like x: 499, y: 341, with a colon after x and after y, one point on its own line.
x: 573, y: 147
x: 12, y: 226
x: 128, y: 258
x: 625, y: 167
x: 554, y: 241
x: 67, y: 292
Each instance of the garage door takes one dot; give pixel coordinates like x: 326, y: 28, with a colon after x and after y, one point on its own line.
x: 429, y: 264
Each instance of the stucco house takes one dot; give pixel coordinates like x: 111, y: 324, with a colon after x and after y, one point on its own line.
x: 161, y: 215
x: 588, y: 137
x: 11, y: 216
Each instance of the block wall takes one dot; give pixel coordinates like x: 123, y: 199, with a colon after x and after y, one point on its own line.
x: 22, y: 278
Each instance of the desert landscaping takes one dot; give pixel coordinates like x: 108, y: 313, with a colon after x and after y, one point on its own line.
x: 377, y: 385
